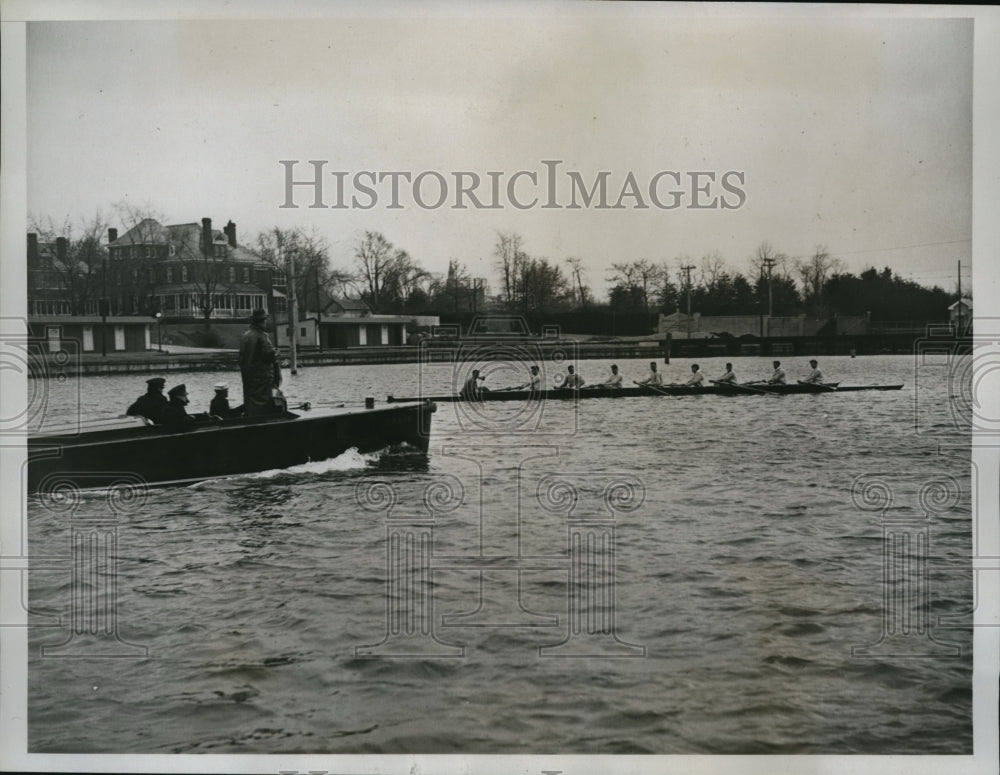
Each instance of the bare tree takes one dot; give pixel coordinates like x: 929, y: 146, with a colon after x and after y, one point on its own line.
x: 640, y: 276
x: 314, y: 276
x: 814, y: 273
x: 509, y: 260
x: 75, y: 272
x: 712, y: 269
x: 577, y: 272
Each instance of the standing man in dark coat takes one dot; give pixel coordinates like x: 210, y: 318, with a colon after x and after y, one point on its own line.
x: 258, y: 367
x: 152, y: 403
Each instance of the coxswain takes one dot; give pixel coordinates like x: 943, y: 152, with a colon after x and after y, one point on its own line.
x: 220, y: 403
x: 572, y: 380
x: 654, y: 378
x: 778, y: 377
x: 728, y: 377
x: 614, y: 381
x: 534, y: 381
x: 259, y: 367
x: 151, y: 403
x: 815, y: 376
x: 175, y: 416
x: 697, y: 379
x: 471, y: 387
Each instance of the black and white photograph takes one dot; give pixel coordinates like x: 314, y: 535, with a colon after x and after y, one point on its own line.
x: 551, y: 387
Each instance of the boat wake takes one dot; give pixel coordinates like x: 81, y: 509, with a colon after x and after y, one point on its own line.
x: 351, y: 460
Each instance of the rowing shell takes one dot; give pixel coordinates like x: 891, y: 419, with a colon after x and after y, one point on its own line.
x: 657, y: 390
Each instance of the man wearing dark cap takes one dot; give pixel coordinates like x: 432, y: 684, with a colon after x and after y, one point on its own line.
x: 175, y: 416
x: 152, y: 403
x: 258, y: 367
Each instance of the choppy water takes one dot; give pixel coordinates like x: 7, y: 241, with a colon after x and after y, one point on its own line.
x: 744, y: 573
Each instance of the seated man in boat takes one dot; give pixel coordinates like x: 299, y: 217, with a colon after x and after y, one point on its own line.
x: 471, y: 388
x: 778, y: 377
x: 654, y: 378
x: 259, y: 367
x: 175, y: 416
x: 614, y: 381
x: 151, y: 403
x: 534, y: 381
x: 815, y: 376
x: 697, y: 379
x: 220, y: 403
x: 729, y: 377
x: 572, y: 380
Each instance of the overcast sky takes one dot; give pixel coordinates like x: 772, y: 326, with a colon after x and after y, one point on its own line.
x: 853, y: 134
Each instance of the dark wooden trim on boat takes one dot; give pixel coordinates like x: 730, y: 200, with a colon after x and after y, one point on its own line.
x: 663, y: 390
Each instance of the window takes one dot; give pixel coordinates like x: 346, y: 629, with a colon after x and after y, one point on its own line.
x: 135, y: 276
x: 220, y: 251
x: 151, y: 275
x: 170, y: 274
x: 149, y: 251
x: 232, y: 274
x: 302, y: 332
x: 277, y: 277
x: 171, y: 250
x: 246, y: 274
x: 184, y: 274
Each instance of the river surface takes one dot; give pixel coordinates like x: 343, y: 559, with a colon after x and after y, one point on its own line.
x: 650, y: 575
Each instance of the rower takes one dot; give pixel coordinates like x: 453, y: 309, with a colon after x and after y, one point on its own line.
x: 815, y: 376
x: 614, y: 381
x: 175, y: 416
x: 778, y: 377
x: 534, y: 382
x: 697, y: 379
x: 152, y: 403
x: 654, y: 378
x: 471, y: 387
x: 729, y: 378
x: 572, y: 380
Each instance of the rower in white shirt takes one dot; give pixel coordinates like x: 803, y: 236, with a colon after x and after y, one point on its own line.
x: 697, y: 379
x: 534, y: 381
x: 614, y: 381
x: 815, y: 376
x: 654, y: 378
x: 778, y: 377
x: 729, y: 377
x: 572, y: 380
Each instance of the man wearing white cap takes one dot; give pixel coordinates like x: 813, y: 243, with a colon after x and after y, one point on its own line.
x: 220, y: 403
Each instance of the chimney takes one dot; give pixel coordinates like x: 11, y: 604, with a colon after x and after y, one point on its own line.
x: 61, y: 245
x: 231, y: 233
x: 32, y: 248
x: 206, y: 236
x: 112, y: 235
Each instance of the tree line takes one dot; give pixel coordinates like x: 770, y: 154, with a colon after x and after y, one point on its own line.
x: 391, y: 280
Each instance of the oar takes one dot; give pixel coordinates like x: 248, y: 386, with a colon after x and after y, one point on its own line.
x: 818, y: 385
x: 657, y: 388
x: 744, y: 387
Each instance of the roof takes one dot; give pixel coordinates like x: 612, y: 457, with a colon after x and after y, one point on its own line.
x: 88, y: 319
x: 185, y: 236
x: 352, y: 304
x: 965, y: 302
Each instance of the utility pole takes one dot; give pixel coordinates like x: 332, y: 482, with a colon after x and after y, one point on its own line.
x: 104, y: 305
x: 769, y: 263
x: 319, y: 312
x: 293, y: 313
x: 959, y: 307
x: 688, y: 269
